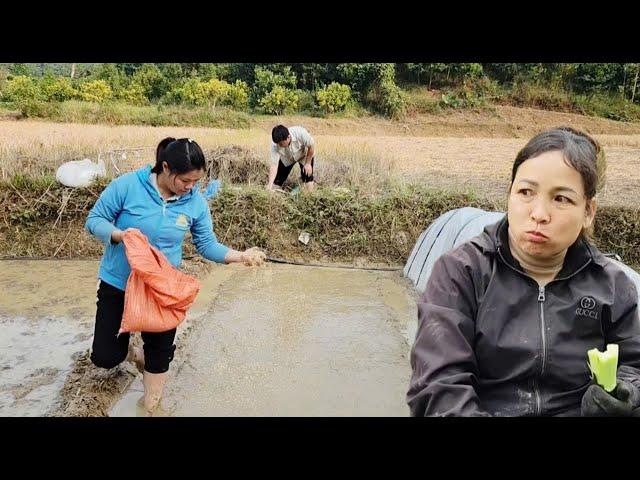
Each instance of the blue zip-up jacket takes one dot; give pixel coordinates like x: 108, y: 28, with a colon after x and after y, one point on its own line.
x: 132, y: 201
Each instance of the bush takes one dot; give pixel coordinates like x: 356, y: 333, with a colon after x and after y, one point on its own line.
x: 97, y: 91
x: 190, y: 93
x: 133, y: 94
x: 265, y: 81
x: 527, y: 95
x: 214, y: 92
x: 333, y: 98
x: 237, y: 95
x: 362, y: 76
x: 57, y: 89
x: 608, y: 106
x: 451, y: 100
x: 3, y: 80
x: 211, y: 93
x: 31, y: 107
x: 388, y: 99
x: 422, y: 100
x: 115, y: 77
x: 152, y: 81
x: 279, y: 100
x: 471, y: 94
x: 197, y: 93
x: 21, y: 88
x: 307, y: 102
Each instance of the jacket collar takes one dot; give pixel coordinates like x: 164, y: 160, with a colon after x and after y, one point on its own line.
x: 144, y: 176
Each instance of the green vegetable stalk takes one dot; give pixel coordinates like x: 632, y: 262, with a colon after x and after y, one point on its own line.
x: 604, y: 365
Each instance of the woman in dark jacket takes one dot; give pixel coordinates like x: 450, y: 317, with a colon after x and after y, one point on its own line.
x: 507, y: 318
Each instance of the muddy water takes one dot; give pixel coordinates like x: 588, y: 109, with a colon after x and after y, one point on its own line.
x: 47, y: 314
x: 289, y: 340
x: 280, y: 340
x: 47, y: 310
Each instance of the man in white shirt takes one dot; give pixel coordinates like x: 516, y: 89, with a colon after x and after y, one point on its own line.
x: 291, y: 145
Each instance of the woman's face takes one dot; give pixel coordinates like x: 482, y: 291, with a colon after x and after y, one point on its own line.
x: 181, y: 183
x: 547, y: 206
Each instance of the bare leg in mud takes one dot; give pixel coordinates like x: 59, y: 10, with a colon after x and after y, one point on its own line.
x: 136, y: 356
x: 151, y: 405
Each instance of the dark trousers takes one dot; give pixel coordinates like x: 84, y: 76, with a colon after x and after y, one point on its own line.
x: 110, y: 349
x: 283, y: 173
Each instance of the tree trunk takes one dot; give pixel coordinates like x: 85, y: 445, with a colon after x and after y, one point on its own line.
x: 73, y: 70
x: 635, y: 82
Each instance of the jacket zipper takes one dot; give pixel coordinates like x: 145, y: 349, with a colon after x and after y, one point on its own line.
x: 541, y: 300
x: 543, y: 336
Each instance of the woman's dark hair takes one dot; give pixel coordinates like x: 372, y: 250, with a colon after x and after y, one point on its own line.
x: 580, y: 151
x: 182, y: 155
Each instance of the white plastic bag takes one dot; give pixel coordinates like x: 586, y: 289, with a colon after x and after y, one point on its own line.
x: 80, y: 173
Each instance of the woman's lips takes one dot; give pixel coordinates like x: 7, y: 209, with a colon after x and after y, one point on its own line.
x: 536, y: 237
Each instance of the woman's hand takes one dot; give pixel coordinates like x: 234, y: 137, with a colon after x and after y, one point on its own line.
x: 116, y: 235
x: 253, y: 257
x: 621, y: 402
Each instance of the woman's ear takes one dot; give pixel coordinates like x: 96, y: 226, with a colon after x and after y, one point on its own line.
x: 589, y: 212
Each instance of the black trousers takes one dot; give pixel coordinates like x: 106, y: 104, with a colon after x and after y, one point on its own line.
x: 283, y: 173
x: 110, y: 349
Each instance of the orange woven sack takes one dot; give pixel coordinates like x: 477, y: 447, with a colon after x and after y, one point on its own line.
x: 157, y: 295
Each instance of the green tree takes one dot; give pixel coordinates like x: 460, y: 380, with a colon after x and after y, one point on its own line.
x: 20, y: 69
x: 57, y: 89
x: 97, y: 91
x: 266, y: 80
x: 110, y: 73
x: 279, y: 100
x: 20, y: 88
x: 152, y: 81
x: 334, y: 97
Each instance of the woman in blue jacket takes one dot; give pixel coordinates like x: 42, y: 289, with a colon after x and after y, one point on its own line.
x: 164, y: 203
